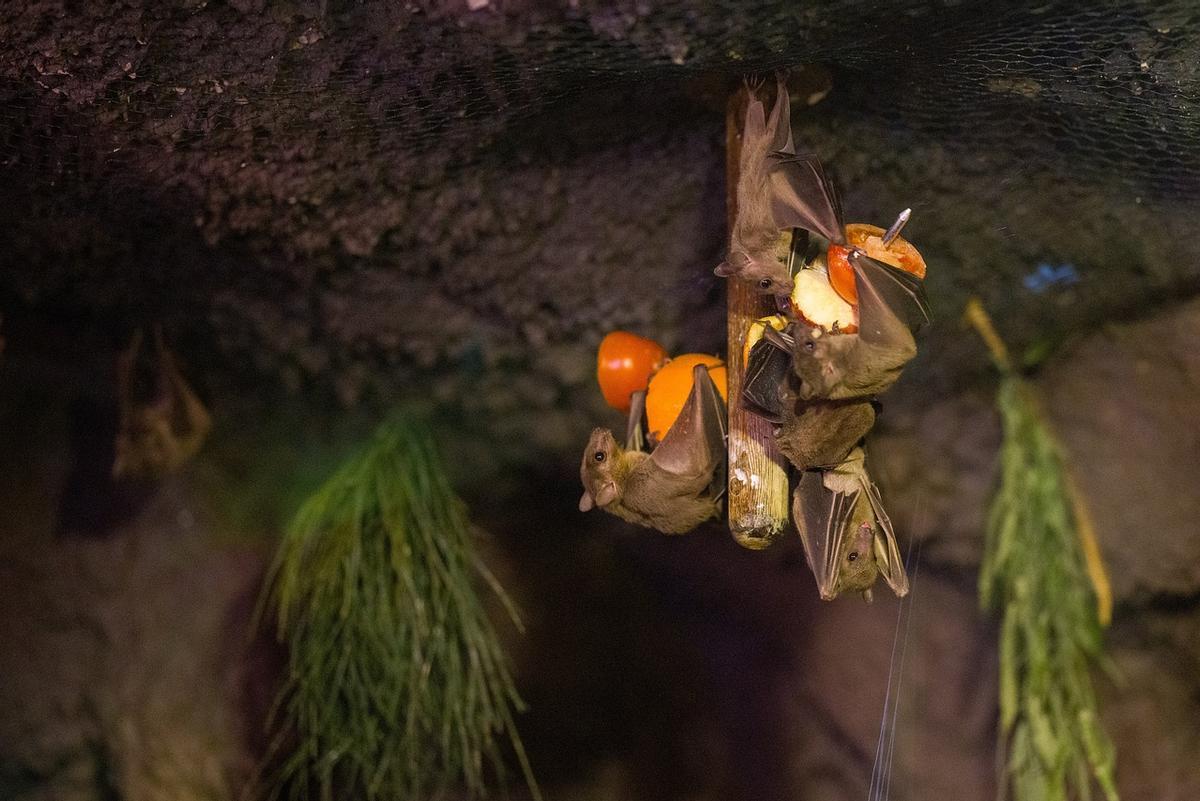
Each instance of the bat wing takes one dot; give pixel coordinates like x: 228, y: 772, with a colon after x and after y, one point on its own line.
x: 802, y: 196
x: 694, y: 446
x: 892, y: 303
x: 765, y: 384
x: 635, y: 430
x: 755, y: 128
x: 780, y: 123
x: 822, y: 517
x: 887, y: 551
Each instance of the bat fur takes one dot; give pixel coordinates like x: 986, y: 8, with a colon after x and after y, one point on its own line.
x: 754, y: 239
x: 675, y: 487
x: 848, y: 538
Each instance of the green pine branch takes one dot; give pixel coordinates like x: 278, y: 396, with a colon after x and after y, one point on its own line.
x: 397, y: 685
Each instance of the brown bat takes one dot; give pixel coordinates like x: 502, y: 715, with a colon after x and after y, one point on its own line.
x: 823, y: 433
x: 754, y: 240
x: 816, y: 433
x: 891, y: 302
x: 159, y: 433
x: 834, y: 365
x: 848, y: 539
x: 676, y: 486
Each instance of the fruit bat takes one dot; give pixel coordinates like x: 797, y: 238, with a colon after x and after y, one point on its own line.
x: 835, y: 365
x: 813, y: 433
x: 160, y: 432
x: 891, y: 302
x: 754, y: 238
x: 823, y: 433
x: 848, y: 539
x: 672, y: 488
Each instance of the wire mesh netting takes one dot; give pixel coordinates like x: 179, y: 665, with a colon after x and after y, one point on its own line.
x: 339, y: 185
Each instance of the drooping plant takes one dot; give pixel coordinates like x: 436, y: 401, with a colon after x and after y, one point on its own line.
x: 1042, y: 570
x: 397, y: 687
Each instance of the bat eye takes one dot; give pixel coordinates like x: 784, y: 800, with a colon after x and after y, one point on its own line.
x: 853, y: 555
x: 810, y: 346
x: 765, y: 283
x: 598, y: 456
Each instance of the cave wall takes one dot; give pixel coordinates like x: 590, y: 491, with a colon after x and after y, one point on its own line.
x: 654, y: 667
x: 335, y: 208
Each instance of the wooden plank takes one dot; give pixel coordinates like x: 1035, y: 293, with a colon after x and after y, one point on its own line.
x: 758, y: 484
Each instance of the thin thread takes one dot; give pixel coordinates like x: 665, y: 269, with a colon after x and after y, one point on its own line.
x: 881, y: 769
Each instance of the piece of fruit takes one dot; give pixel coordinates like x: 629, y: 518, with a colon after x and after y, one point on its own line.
x: 815, y: 302
x: 670, y: 386
x: 624, y: 363
x: 898, y: 253
x: 755, y: 332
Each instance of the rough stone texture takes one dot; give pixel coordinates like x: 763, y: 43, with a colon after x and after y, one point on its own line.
x: 1125, y: 403
x: 380, y: 203
x: 354, y: 198
x: 655, y: 668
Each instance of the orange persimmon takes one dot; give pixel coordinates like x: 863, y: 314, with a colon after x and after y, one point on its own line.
x: 899, y: 253
x: 624, y: 363
x: 670, y: 386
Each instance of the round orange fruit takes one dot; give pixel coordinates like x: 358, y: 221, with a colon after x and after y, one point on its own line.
x: 898, y: 253
x: 670, y: 386
x: 624, y: 363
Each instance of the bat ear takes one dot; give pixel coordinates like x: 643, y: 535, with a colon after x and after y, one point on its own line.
x: 607, y: 494
x: 725, y: 269
x: 585, y: 502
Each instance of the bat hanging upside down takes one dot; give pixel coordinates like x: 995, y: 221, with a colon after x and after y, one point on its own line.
x: 754, y: 238
x: 159, y: 433
x: 674, y: 487
x: 851, y: 313
x: 848, y: 538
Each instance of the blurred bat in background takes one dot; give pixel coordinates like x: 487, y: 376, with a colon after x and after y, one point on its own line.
x: 676, y: 486
x: 848, y: 539
x: 161, y: 430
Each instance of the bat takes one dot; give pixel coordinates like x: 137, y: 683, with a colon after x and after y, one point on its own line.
x: 674, y: 487
x: 812, y: 433
x: 821, y: 434
x: 891, y: 302
x: 754, y: 239
x: 847, y: 536
x: 159, y: 433
x: 834, y: 365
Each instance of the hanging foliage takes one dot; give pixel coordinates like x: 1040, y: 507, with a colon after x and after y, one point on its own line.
x: 1042, y: 570
x: 397, y: 687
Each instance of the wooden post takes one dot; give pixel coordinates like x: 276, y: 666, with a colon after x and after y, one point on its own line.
x: 758, y: 483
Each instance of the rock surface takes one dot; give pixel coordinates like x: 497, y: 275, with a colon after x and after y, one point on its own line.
x: 360, y: 205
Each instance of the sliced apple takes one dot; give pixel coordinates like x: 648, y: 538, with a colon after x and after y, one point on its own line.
x: 816, y: 302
